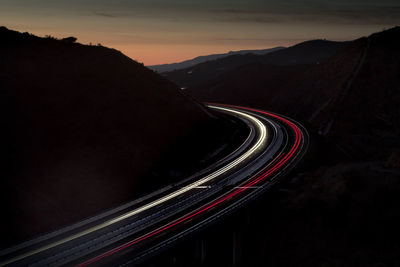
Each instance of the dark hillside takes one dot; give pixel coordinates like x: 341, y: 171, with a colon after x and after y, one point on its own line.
x: 235, y: 86
x: 352, y: 98
x: 83, y: 129
x: 366, y: 118
x: 197, y: 60
x: 309, y: 52
x: 352, y: 94
x: 340, y: 208
x: 203, y: 72
x: 306, y: 53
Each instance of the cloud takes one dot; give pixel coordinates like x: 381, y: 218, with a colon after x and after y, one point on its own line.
x: 327, y: 13
x: 107, y: 15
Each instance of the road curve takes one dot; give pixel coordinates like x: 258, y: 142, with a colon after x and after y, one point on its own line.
x: 275, y: 144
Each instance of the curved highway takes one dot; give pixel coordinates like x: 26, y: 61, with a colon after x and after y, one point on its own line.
x: 136, y: 230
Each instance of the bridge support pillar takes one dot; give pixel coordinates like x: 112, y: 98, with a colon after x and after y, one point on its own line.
x: 236, y: 247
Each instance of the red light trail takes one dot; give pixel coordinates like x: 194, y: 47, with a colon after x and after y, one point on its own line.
x: 246, y: 186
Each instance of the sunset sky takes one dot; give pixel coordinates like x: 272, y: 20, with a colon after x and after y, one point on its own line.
x: 166, y: 31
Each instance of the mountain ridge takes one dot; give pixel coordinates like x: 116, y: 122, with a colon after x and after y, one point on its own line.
x: 200, y: 59
x: 340, y: 208
x: 76, y: 135
x: 325, y: 96
x: 305, y: 53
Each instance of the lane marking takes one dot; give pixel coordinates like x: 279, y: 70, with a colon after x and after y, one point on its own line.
x: 226, y: 197
x: 260, y: 142
x: 248, y: 187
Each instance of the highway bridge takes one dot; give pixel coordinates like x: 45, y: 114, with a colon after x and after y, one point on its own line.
x: 132, y: 232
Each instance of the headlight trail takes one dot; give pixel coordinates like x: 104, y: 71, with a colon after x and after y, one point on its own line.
x: 261, y: 142
x: 267, y: 172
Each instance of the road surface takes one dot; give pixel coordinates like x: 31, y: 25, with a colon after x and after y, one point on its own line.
x: 130, y: 233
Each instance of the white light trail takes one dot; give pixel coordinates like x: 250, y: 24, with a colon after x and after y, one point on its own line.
x: 262, y: 139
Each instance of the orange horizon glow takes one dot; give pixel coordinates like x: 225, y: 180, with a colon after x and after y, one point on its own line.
x: 162, y: 32
x: 155, y: 53
x: 167, y: 52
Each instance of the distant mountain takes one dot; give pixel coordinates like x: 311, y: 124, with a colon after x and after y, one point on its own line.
x: 191, y: 62
x: 347, y: 189
x: 353, y: 96
x: 85, y: 128
x: 310, y: 52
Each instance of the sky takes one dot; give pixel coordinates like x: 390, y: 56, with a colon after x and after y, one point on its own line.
x: 167, y: 31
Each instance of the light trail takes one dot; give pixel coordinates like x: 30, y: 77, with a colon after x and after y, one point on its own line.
x: 250, y: 184
x: 261, y: 141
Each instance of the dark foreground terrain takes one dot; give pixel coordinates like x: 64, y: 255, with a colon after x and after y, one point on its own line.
x: 341, y: 216
x: 341, y: 207
x: 81, y: 121
x: 85, y: 128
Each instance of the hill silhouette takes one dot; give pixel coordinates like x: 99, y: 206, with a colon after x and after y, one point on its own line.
x: 86, y: 128
x: 197, y: 60
x: 341, y: 207
x: 207, y: 73
x: 352, y: 91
